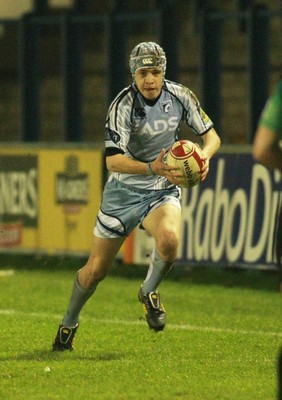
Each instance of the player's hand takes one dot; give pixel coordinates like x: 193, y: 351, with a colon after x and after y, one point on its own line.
x: 205, y: 168
x: 169, y: 171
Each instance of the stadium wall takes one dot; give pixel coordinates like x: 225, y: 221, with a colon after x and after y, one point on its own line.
x: 49, y: 198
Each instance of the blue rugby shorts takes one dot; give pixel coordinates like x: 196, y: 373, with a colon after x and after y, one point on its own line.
x: 123, y: 207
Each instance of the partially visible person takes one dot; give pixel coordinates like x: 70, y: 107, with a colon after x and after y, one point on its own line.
x: 267, y: 147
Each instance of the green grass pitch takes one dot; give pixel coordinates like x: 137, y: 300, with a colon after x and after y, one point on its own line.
x: 223, y: 334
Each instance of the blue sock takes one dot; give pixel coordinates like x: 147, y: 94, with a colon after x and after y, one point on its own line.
x: 78, y: 298
x: 156, y: 272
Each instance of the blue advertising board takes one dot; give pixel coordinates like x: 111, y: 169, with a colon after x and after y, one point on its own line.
x: 231, y: 219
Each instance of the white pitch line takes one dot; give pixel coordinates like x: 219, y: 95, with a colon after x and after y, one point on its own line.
x: 7, y: 272
x: 186, y: 327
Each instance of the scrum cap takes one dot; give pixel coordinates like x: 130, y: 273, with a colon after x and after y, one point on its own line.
x: 147, y: 55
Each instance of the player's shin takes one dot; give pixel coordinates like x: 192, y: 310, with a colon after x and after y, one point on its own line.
x: 158, y: 269
x: 78, y: 298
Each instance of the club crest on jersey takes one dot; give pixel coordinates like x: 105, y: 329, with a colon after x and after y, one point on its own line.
x: 167, y: 106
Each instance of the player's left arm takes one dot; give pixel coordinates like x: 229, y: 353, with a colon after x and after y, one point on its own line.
x: 211, y: 144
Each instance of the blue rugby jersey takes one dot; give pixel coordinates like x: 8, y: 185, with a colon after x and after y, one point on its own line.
x: 140, y: 130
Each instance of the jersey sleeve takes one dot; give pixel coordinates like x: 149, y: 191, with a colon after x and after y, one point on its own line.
x: 195, y: 117
x: 271, y: 116
x: 118, y: 124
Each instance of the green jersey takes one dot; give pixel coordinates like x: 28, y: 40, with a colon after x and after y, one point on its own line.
x: 272, y: 113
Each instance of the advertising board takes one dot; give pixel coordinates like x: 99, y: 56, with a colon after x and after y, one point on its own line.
x: 49, y: 198
x: 230, y: 219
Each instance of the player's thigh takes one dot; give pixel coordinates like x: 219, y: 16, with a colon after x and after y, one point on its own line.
x: 163, y: 220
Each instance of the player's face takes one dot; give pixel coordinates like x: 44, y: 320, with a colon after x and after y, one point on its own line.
x: 149, y: 82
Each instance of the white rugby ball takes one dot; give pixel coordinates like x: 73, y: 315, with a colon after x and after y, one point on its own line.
x: 187, y: 156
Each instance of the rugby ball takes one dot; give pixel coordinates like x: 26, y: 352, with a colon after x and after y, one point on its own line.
x: 187, y: 156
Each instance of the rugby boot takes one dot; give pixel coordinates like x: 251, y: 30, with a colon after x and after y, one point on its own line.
x: 64, y: 338
x: 154, y: 310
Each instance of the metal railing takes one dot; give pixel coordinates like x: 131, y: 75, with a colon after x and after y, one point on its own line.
x: 255, y: 23
x: 72, y: 31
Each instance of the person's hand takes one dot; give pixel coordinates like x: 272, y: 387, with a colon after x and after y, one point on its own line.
x: 171, y: 172
x: 205, y: 168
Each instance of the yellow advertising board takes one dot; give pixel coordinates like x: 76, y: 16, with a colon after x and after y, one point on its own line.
x: 49, y: 198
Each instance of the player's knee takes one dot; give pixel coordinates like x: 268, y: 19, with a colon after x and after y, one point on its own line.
x: 167, y: 245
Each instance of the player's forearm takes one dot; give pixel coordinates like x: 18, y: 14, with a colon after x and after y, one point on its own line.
x: 211, y: 143
x: 124, y: 165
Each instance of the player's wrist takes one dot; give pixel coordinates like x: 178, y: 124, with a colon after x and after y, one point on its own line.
x: 150, y: 169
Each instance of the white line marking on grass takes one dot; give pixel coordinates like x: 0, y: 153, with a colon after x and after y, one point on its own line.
x: 169, y: 326
x: 7, y: 272
x: 225, y: 330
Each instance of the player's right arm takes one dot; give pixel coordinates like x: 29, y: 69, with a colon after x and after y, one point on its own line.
x: 125, y: 165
